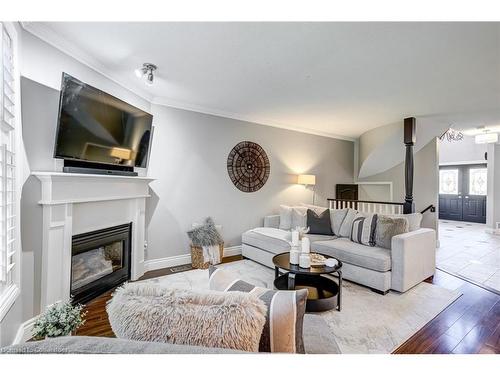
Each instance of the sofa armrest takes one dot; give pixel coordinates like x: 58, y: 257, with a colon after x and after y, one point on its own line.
x: 413, y: 257
x: 272, y: 221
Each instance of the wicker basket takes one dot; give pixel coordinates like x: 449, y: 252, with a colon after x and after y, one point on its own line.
x: 197, y: 260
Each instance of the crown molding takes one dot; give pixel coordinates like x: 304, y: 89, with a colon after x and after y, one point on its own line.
x: 48, y: 35
x: 167, y: 102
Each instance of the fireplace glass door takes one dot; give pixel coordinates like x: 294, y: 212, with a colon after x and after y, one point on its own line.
x: 100, y: 261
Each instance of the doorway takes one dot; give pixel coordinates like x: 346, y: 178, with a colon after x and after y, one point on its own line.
x: 462, y: 192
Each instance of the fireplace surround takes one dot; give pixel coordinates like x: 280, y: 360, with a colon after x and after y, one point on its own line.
x: 75, y: 204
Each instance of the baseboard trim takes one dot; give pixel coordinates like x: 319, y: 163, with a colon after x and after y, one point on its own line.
x: 24, y: 333
x: 178, y: 260
x: 492, y: 231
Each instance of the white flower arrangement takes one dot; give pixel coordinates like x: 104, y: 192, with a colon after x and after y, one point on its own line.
x: 59, y: 319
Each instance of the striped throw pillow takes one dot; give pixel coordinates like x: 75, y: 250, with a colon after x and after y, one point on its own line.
x: 363, y: 229
x: 285, y: 312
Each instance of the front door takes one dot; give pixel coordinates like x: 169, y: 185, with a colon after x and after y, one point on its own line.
x: 462, y: 193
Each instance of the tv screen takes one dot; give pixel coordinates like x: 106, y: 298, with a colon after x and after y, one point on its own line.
x: 96, y: 127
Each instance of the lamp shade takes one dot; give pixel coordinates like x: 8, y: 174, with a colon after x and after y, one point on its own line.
x: 306, y: 179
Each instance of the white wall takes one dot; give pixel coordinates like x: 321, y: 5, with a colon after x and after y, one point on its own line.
x: 464, y: 151
x: 188, y: 159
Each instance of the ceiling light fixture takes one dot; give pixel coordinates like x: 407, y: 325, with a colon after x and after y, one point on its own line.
x: 146, y: 72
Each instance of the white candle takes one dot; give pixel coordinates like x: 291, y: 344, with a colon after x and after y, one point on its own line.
x: 305, y: 261
x: 294, y: 256
x: 305, y: 245
x: 295, y: 237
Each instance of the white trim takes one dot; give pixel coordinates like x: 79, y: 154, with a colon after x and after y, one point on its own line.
x: 232, y: 251
x: 492, y: 231
x: 86, y: 200
x: 178, y: 260
x: 7, y: 299
x: 156, y: 264
x: 24, y: 333
x: 451, y: 163
x: 45, y: 33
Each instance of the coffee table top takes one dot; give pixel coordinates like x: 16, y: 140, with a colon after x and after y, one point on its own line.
x: 283, y: 261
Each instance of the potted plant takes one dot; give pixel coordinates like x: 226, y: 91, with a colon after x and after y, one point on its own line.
x: 60, y: 319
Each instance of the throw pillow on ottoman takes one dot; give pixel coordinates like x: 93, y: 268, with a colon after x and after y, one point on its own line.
x: 149, y: 312
x: 285, y: 313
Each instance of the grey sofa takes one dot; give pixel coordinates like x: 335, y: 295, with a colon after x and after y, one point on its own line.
x: 410, y: 260
x: 318, y: 339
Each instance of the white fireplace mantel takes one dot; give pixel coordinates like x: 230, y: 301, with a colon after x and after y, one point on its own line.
x: 78, y: 203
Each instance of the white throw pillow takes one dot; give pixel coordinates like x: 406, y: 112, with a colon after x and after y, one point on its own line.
x: 299, y: 217
x: 285, y: 217
x: 337, y: 217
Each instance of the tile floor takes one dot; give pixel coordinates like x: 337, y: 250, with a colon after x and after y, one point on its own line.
x: 467, y: 251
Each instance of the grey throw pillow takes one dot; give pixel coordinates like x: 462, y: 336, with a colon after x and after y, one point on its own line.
x: 282, y: 331
x: 388, y: 227
x: 346, y: 227
x: 363, y: 229
x: 319, y: 224
x: 337, y: 217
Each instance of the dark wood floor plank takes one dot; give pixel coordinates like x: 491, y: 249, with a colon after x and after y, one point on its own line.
x: 477, y: 337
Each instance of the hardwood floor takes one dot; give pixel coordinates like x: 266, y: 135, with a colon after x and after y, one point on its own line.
x: 470, y: 325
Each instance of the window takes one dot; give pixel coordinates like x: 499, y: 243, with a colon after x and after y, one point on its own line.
x: 478, y: 181
x: 448, y: 181
x: 9, y: 277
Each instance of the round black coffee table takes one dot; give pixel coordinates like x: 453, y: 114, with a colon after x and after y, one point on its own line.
x: 324, y: 293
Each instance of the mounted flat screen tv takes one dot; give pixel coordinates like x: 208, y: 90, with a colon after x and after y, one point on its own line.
x: 99, y: 129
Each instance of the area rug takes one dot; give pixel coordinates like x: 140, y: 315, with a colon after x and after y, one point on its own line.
x: 368, y: 323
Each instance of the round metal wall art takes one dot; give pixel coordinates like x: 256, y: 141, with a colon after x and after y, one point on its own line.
x: 248, y: 166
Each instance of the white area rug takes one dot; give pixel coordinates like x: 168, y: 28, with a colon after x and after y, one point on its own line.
x: 368, y: 322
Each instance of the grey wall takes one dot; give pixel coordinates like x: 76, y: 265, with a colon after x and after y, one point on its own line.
x: 425, y: 188
x: 188, y: 159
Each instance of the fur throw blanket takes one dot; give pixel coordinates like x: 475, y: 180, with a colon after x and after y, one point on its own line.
x: 149, y: 312
x: 205, y: 234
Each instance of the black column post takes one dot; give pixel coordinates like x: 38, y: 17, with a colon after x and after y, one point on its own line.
x: 409, y: 141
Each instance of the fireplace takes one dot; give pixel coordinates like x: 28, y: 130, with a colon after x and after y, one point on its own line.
x: 100, y: 261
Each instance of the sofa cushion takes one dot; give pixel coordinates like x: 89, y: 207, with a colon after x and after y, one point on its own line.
x: 374, y: 258
x: 388, y: 227
x: 151, y: 312
x: 363, y: 229
x: 319, y: 237
x: 272, y: 240
x: 285, y: 311
x: 292, y: 217
x: 319, y: 223
x: 337, y: 218
x: 346, y: 227
x: 285, y: 217
x: 414, y: 220
x: 336, y: 215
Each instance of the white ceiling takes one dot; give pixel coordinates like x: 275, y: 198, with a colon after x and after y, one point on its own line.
x: 326, y: 78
